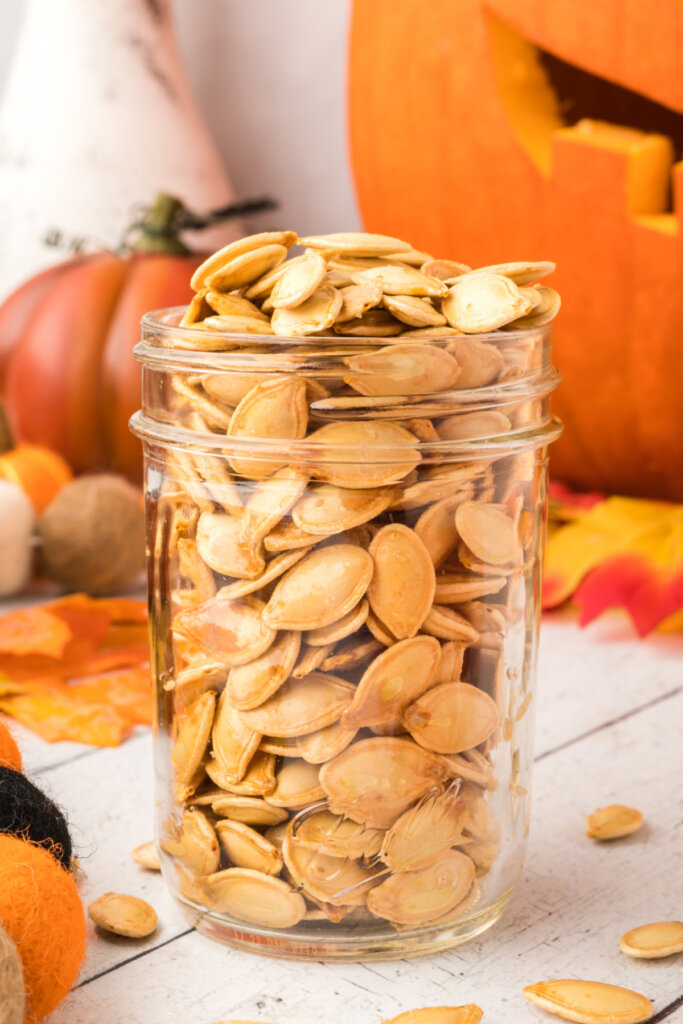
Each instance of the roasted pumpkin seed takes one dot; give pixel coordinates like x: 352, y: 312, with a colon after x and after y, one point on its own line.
x: 416, y: 897
x: 247, y: 848
x: 613, y: 822
x: 255, y: 897
x: 451, y: 717
x: 320, y: 589
x: 589, y: 1002
x: 393, y: 680
x: 300, y: 706
x: 401, y: 590
x: 374, y: 780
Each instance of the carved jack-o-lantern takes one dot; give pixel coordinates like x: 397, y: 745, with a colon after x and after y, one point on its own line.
x: 487, y: 130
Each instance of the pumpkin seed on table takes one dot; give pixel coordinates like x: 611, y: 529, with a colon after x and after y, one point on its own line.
x: 147, y: 856
x: 653, y: 941
x: 402, y: 370
x: 255, y: 897
x: 613, y: 822
x: 401, y: 590
x: 451, y: 717
x: 123, y: 915
x: 589, y: 1002
x: 320, y: 589
x: 470, y: 1014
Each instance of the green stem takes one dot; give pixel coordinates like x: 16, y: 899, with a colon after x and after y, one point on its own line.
x: 158, y: 229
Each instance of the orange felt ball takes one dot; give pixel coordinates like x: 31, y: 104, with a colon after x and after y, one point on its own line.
x: 9, y: 751
x: 41, y: 911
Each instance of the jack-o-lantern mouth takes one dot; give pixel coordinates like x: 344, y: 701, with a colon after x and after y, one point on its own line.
x: 546, y: 98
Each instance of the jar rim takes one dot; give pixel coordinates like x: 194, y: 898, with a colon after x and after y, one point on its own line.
x: 158, y: 321
x: 306, y: 450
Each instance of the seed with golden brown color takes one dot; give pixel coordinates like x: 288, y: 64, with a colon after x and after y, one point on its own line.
x: 653, y: 941
x: 613, y: 822
x: 320, y: 589
x: 401, y: 591
x: 451, y: 717
x: 590, y: 1002
x: 470, y: 1014
x: 146, y: 856
x: 123, y: 915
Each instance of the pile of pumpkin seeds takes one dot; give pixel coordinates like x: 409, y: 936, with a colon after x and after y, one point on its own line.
x: 338, y: 681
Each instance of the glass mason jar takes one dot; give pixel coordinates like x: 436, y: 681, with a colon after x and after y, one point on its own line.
x: 345, y: 540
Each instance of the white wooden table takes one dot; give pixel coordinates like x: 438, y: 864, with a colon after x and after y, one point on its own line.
x: 609, y: 730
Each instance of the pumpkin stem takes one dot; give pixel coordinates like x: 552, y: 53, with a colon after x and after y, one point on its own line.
x: 157, y: 231
x: 160, y: 226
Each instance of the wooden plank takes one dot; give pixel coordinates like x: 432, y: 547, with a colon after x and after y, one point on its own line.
x: 583, y: 676
x: 575, y: 898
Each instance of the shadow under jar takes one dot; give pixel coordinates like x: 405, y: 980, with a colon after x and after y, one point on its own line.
x: 345, y: 540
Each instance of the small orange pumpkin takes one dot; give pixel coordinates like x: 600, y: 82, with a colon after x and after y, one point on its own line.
x: 40, y: 472
x: 462, y: 143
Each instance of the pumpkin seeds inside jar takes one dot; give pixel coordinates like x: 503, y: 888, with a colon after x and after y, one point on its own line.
x: 343, y: 585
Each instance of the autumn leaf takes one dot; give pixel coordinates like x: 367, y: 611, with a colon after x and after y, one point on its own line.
x: 621, y: 552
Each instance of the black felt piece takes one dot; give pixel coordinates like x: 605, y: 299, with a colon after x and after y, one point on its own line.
x: 25, y: 811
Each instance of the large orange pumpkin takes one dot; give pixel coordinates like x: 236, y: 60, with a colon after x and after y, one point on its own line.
x: 485, y: 130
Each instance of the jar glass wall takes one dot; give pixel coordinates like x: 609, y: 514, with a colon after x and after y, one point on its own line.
x: 344, y: 563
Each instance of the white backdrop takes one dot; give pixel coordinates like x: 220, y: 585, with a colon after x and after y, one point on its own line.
x: 269, y: 77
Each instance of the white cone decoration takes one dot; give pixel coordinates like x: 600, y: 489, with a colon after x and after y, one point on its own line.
x: 97, y: 118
